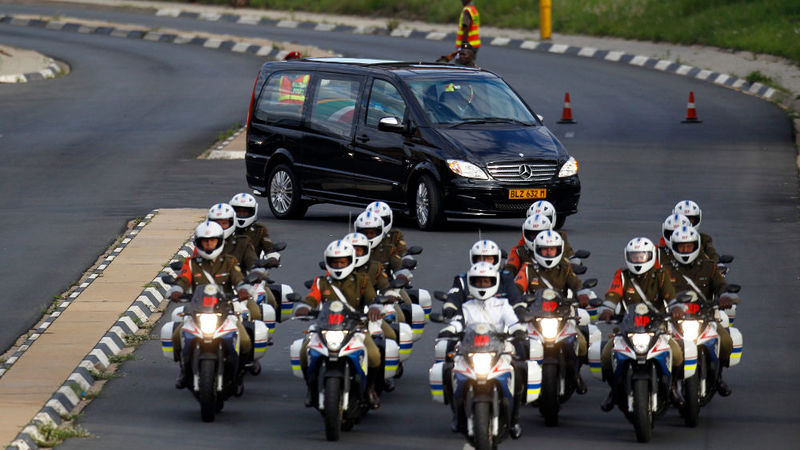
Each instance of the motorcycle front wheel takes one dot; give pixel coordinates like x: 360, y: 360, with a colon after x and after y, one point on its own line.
x: 642, y: 417
x: 481, y: 425
x: 691, y: 397
x: 548, y: 401
x: 333, y: 409
x: 208, y: 393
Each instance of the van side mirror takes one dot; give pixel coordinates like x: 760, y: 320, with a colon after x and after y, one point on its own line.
x: 391, y: 124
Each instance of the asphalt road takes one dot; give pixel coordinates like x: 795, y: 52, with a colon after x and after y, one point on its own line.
x: 84, y: 153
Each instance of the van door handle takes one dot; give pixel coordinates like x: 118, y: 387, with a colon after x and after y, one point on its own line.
x: 363, y: 138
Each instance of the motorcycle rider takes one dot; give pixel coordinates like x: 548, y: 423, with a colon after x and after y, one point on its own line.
x: 342, y: 283
x: 693, y: 212
x: 671, y: 223
x: 547, y: 209
x: 484, y: 306
x: 483, y: 250
x: 246, y: 208
x: 372, y: 227
x: 240, y: 247
x: 523, y: 252
x: 210, y: 266
x: 689, y: 272
x: 640, y: 282
x: 392, y: 247
x: 551, y: 271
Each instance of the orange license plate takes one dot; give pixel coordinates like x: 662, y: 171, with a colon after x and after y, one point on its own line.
x: 527, y: 194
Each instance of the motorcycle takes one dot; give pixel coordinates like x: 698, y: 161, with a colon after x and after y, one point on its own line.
x: 699, y: 327
x: 337, y: 364
x: 552, y: 337
x: 418, y: 313
x: 210, y: 355
x: 280, y: 291
x: 641, y: 367
x: 482, y: 385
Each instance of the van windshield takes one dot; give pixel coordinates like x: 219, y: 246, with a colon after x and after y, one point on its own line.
x: 460, y: 101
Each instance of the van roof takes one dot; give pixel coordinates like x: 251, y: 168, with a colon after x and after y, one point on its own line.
x: 399, y: 67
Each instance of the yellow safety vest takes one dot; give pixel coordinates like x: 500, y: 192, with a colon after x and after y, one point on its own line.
x: 473, y: 36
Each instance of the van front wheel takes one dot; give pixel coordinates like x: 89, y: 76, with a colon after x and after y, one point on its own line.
x: 428, y: 205
x: 283, y: 193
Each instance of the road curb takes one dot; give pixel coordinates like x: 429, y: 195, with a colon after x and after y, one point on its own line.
x: 51, y: 70
x: 66, y: 397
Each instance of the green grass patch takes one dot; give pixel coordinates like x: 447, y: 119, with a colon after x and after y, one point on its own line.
x: 134, y: 340
x: 761, y: 26
x: 53, y: 435
x: 116, y: 359
x: 229, y: 132
x: 105, y: 375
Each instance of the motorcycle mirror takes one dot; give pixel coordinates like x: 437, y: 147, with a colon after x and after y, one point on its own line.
x: 503, y: 253
x: 396, y: 284
x: 383, y: 299
x: 322, y: 265
x: 308, y: 283
x: 685, y: 297
x: 595, y: 302
x: 733, y: 288
x: 726, y: 259
x: 440, y: 295
x: 436, y: 317
x: 415, y: 250
x: 294, y: 297
x: 409, y: 263
x: 168, y: 279
x: 579, y: 269
x: 278, y: 246
x: 590, y: 283
x: 526, y: 316
x: 176, y: 265
x: 582, y: 254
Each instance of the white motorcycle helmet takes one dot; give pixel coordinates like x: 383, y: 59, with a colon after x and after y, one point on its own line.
x: 640, y: 255
x: 544, y: 208
x: 246, y: 204
x: 672, y: 223
x: 223, y: 211
x: 548, y: 239
x: 368, y: 223
x: 358, y: 240
x: 691, y: 210
x: 486, y: 248
x: 482, y: 270
x: 209, y: 230
x: 340, y: 249
x: 532, y: 226
x: 382, y: 209
x: 685, y: 235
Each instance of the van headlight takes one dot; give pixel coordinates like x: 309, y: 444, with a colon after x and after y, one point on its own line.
x: 569, y: 168
x: 208, y: 323
x: 482, y: 363
x: 640, y: 341
x: 466, y: 169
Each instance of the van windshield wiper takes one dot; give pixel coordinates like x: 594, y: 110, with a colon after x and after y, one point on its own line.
x: 480, y: 120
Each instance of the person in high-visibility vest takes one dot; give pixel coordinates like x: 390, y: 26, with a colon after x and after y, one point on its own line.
x: 468, y: 25
x: 293, y: 92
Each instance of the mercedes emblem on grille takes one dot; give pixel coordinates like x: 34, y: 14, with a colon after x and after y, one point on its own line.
x: 525, y: 172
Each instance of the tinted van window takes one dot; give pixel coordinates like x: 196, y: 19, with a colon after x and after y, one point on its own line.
x: 384, y: 101
x: 448, y: 101
x: 282, y: 98
x: 334, y: 105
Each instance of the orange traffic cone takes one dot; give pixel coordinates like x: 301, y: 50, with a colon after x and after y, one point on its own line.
x: 566, y: 114
x: 691, y: 112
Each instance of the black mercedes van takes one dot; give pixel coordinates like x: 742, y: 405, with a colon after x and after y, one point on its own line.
x: 431, y: 140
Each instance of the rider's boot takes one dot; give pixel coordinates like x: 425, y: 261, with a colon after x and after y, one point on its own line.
x: 677, y: 398
x: 608, y: 404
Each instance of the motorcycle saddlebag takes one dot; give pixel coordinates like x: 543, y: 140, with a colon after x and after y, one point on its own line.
x: 294, y: 355
x: 435, y: 377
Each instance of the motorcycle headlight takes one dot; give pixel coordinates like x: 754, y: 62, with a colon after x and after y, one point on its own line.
x: 569, y: 168
x: 640, y: 341
x: 466, y: 169
x: 482, y: 363
x: 334, y: 339
x: 690, y: 329
x: 208, y: 323
x: 549, y: 326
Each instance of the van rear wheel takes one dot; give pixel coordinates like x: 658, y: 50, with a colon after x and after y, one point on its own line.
x: 428, y: 204
x: 283, y: 193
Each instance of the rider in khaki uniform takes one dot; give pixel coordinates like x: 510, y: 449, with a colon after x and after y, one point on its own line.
x: 343, y: 284
x: 671, y: 223
x: 392, y: 247
x: 374, y: 271
x: 241, y: 249
x: 693, y: 212
x: 540, y: 218
x: 551, y: 270
x: 689, y: 272
x: 224, y: 272
x: 655, y: 284
x: 246, y: 208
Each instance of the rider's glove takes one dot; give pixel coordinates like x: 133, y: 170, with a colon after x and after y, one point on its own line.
x: 244, y: 294
x: 301, y: 310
